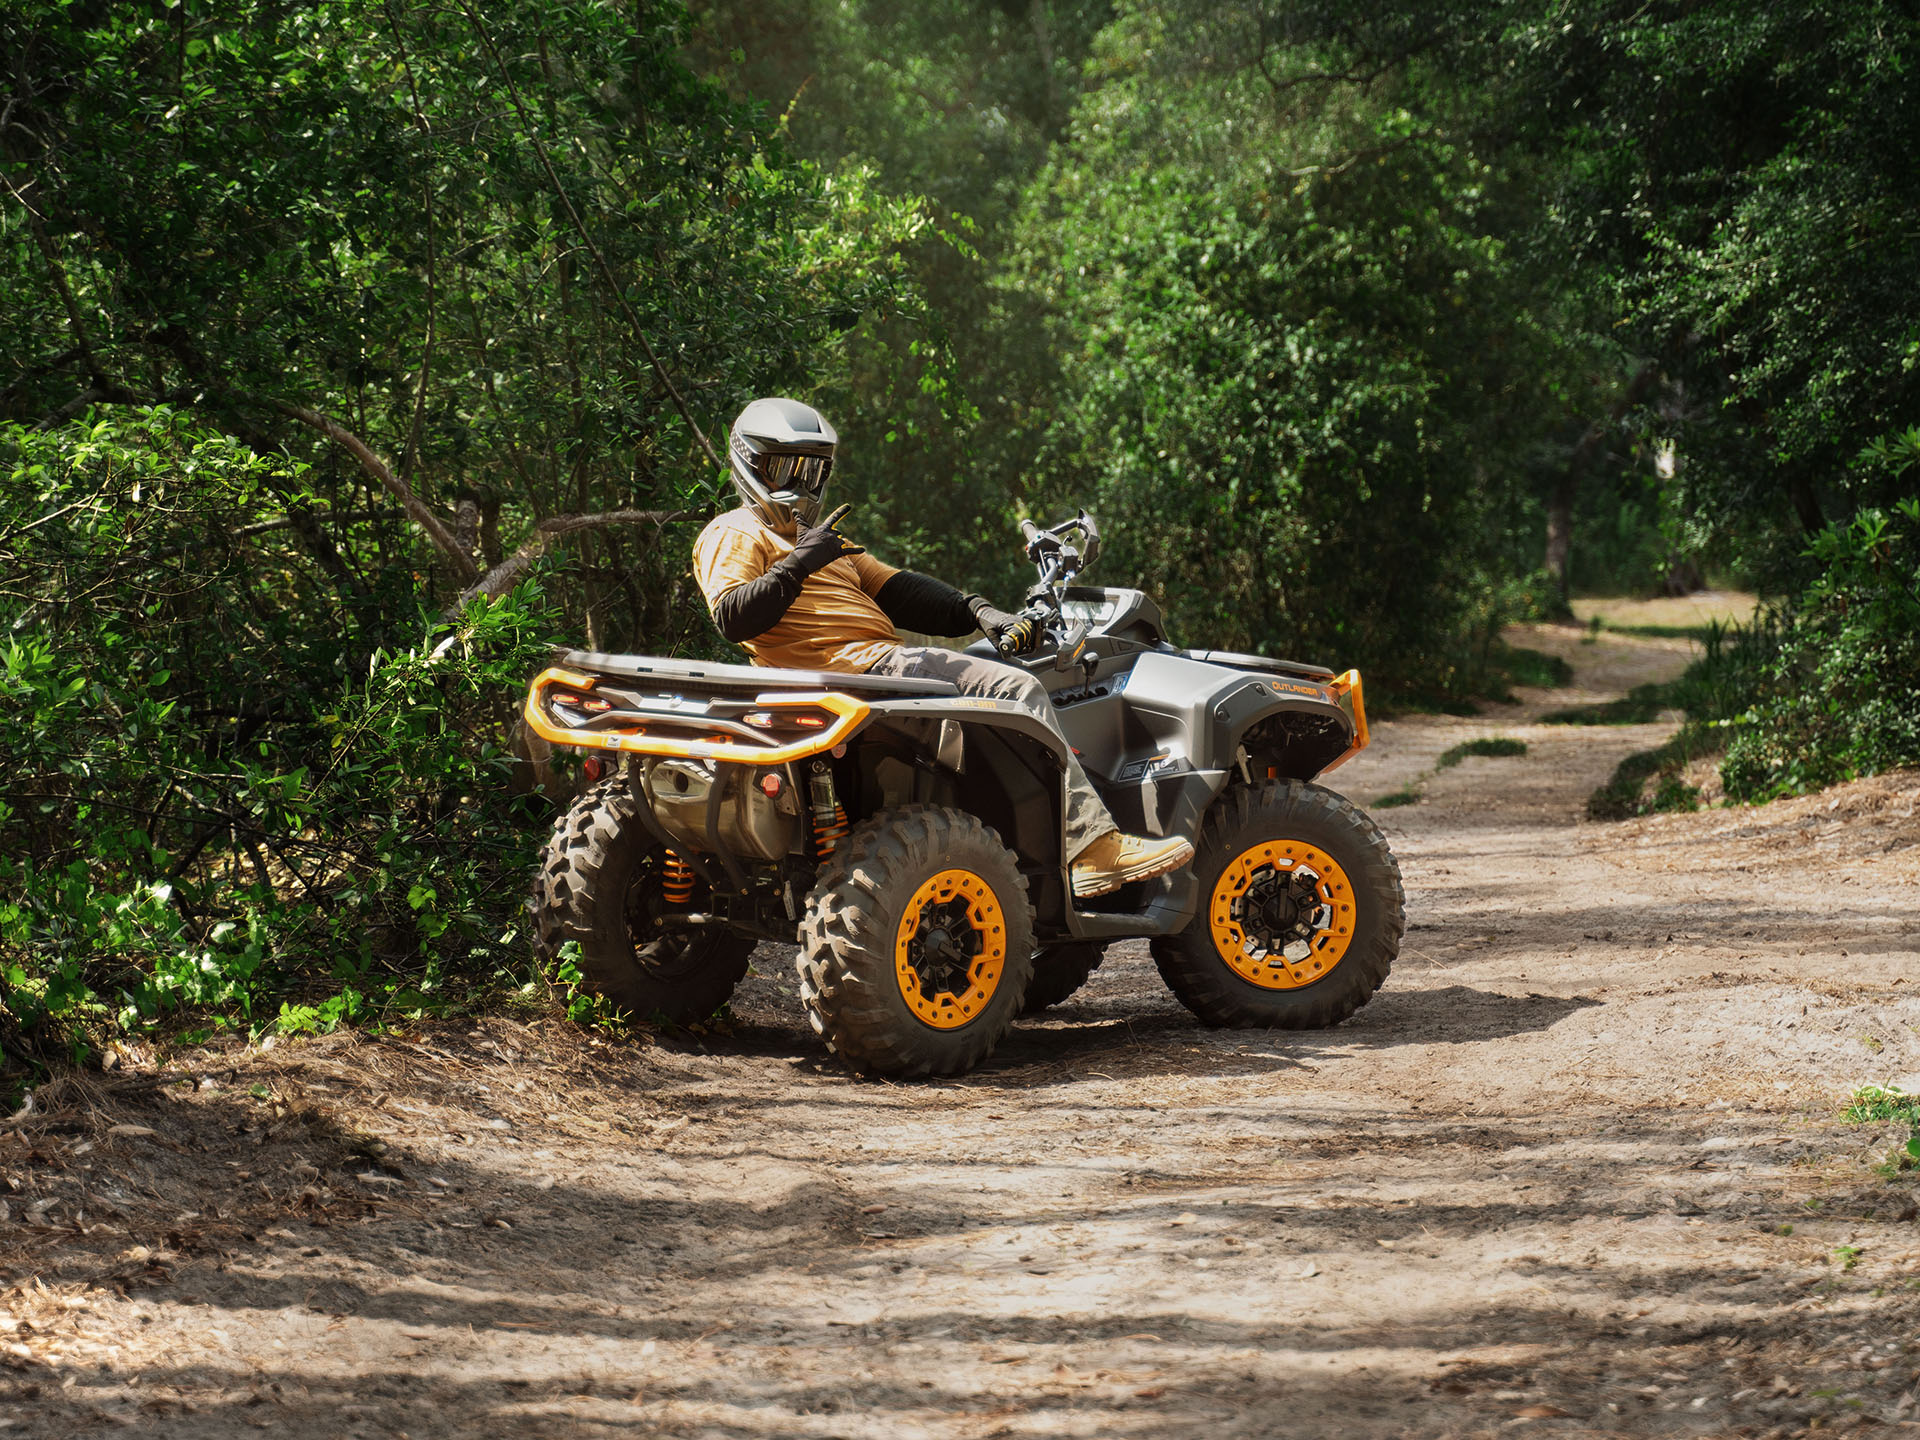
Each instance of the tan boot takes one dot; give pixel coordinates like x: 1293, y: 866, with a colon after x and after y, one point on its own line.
x: 1114, y: 860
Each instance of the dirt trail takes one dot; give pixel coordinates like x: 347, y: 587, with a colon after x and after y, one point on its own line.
x: 1577, y: 1168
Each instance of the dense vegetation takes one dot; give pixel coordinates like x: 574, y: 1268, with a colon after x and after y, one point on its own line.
x: 352, y: 351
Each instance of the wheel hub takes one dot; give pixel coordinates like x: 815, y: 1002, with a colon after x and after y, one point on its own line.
x: 1282, y: 914
x: 950, y: 949
x: 943, y: 949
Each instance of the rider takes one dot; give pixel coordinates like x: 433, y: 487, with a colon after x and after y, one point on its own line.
x: 797, y: 594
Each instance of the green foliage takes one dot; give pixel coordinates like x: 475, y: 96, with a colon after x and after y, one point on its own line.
x: 343, y: 206
x: 1536, y: 669
x: 309, y: 317
x: 1737, y: 178
x: 1277, y: 317
x: 1624, y: 794
x: 214, y: 801
x: 584, y: 1006
x: 1494, y: 746
x: 1872, y: 1104
x: 1835, y: 692
x: 1408, y: 794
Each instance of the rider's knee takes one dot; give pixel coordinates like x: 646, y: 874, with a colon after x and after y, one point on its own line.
x: 1027, y: 690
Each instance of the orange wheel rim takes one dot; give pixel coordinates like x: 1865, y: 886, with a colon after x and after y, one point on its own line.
x: 1282, y: 914
x: 950, y: 949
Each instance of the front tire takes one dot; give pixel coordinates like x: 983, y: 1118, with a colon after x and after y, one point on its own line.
x: 602, y: 884
x: 1302, y: 912
x: 917, y: 944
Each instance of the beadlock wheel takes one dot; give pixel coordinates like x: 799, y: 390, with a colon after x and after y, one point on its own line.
x: 917, y: 944
x: 1304, y: 911
x: 951, y: 950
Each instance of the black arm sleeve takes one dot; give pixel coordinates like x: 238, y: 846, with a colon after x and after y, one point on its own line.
x: 755, y: 607
x: 914, y: 601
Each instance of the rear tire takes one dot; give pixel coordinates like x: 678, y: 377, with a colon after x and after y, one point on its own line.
x: 1298, y: 855
x: 1059, y: 971
x: 600, y: 884
x: 917, y: 944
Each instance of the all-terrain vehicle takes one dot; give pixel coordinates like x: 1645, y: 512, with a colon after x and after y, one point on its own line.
x: 910, y: 838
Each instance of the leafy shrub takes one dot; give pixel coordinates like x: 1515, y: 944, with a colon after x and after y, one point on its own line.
x: 1834, y: 690
x: 231, y: 789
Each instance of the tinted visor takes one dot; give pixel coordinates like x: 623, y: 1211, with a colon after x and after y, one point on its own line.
x: 795, y: 474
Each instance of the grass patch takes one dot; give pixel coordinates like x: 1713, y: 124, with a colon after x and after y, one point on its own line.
x: 1642, y: 705
x: 1696, y: 633
x: 1872, y: 1104
x: 1493, y: 746
x: 1420, y: 703
x: 1408, y: 794
x: 1516, y: 665
x: 1626, y: 793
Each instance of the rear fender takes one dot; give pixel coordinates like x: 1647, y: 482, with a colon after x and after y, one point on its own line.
x: 995, y: 760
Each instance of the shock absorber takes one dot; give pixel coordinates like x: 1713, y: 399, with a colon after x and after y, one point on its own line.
x: 829, y: 819
x: 676, y: 879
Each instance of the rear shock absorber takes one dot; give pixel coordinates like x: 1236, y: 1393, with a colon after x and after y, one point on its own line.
x: 829, y: 818
x: 676, y: 879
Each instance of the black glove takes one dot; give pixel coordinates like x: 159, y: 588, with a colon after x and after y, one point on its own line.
x: 818, y: 546
x: 1011, y: 634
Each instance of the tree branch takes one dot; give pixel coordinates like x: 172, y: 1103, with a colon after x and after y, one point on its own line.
x: 417, y: 509
x: 504, y: 576
x: 110, y: 389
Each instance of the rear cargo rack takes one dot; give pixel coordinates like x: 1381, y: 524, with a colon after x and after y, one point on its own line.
x: 716, y: 676
x: 591, y: 710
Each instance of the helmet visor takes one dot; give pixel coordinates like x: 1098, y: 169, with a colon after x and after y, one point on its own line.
x: 794, y: 474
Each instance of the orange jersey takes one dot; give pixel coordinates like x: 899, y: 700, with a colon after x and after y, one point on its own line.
x: 834, y: 624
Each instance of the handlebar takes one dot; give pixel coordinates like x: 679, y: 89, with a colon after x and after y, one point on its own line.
x: 1060, y: 552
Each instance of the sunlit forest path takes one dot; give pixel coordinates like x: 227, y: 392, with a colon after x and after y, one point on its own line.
x: 1578, y: 1167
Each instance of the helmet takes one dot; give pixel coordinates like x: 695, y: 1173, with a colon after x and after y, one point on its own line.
x: 782, y: 453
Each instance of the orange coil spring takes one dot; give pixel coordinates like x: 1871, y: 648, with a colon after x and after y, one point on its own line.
x: 677, y: 880
x: 829, y: 833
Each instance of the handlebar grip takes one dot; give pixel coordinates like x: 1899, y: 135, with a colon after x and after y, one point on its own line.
x: 1028, y: 530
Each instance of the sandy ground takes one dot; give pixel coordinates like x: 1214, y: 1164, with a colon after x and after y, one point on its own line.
x: 1577, y: 1169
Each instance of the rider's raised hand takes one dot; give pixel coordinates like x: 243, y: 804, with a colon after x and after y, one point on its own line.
x: 818, y: 546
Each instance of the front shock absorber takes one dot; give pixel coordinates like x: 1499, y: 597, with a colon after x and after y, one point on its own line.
x: 829, y: 818
x: 676, y: 879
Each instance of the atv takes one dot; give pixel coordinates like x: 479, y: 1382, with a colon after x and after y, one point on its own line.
x: 910, y: 838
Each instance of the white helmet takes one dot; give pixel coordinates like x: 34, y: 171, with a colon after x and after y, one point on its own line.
x: 782, y: 454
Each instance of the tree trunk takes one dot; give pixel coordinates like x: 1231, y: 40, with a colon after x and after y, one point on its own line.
x: 1566, y: 489
x: 1560, y: 540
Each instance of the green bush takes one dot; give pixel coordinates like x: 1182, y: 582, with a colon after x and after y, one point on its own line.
x: 1832, y: 689
x: 220, y: 796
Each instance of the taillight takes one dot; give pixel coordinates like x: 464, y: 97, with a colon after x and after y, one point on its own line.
x: 795, y: 719
x: 592, y: 704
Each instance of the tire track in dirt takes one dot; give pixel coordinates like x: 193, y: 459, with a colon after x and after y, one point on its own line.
x: 1576, y: 1168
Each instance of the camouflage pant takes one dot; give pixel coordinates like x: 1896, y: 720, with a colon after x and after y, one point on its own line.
x: 1087, y: 817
